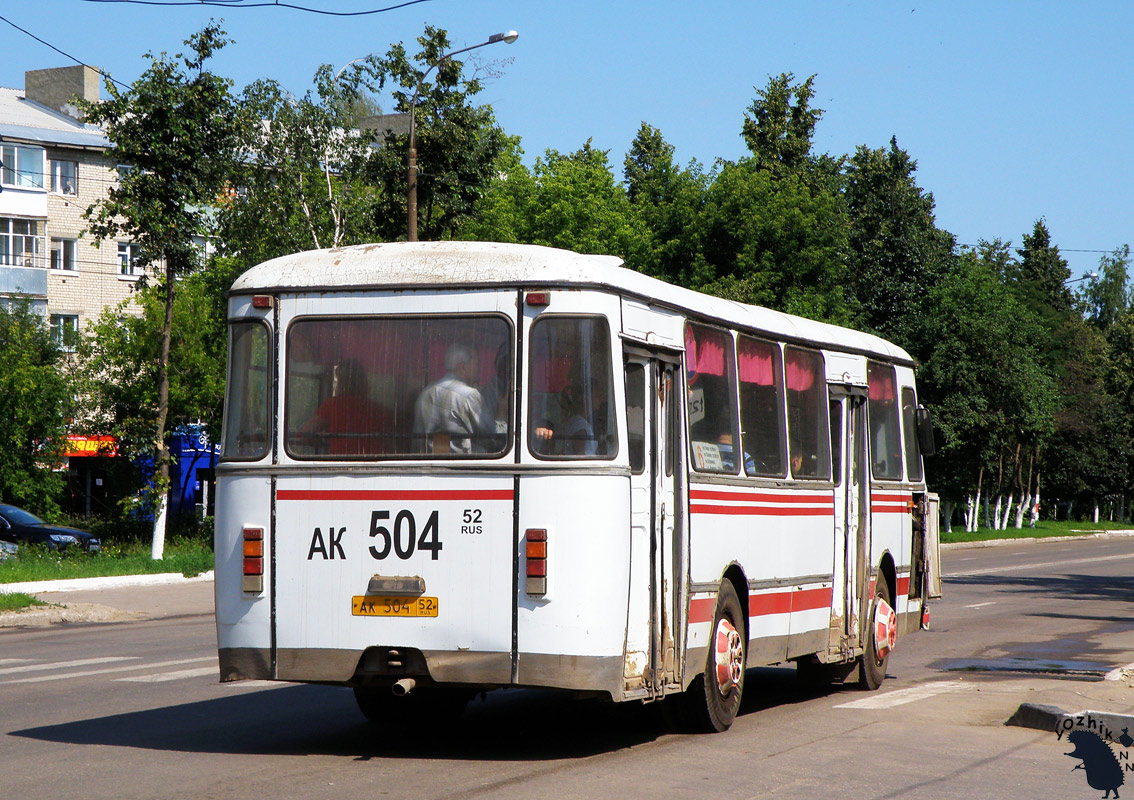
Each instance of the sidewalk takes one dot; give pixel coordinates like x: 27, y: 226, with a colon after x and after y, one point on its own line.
x: 115, y: 599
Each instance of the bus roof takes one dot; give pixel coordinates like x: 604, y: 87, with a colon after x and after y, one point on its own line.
x: 414, y: 265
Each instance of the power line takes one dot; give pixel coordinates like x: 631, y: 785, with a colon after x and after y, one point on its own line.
x: 276, y: 3
x: 62, y: 53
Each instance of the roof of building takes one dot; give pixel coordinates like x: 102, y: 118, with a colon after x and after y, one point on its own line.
x: 402, y: 265
x: 24, y: 120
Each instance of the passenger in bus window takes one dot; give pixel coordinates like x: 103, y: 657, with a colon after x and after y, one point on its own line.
x: 448, y: 413
x: 495, y: 394
x: 577, y: 437
x: 348, y: 422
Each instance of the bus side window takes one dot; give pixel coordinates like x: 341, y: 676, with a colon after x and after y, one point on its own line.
x: 909, y: 430
x: 808, y: 437
x: 636, y: 416
x: 836, y: 408
x: 710, y: 379
x: 882, y: 408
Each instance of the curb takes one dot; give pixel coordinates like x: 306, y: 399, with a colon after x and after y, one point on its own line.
x: 1032, y: 539
x: 1056, y: 720
x: 109, y: 582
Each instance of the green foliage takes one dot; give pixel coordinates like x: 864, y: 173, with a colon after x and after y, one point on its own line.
x: 458, y: 143
x: 35, y: 401
x: 569, y: 201
x: 1109, y: 295
x: 15, y: 601
x: 897, y: 250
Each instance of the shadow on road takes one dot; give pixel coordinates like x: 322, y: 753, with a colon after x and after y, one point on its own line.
x: 506, y: 725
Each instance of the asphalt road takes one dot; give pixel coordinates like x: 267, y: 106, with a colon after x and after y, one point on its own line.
x: 133, y: 710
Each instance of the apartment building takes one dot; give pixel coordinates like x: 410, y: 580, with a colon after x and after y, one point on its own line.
x: 55, y: 167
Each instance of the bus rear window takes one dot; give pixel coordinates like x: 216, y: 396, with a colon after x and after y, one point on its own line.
x: 398, y: 387
x: 246, y: 428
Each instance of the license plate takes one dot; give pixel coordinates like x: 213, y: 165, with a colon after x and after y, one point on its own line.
x: 381, y: 606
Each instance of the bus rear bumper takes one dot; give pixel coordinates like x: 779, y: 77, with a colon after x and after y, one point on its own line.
x: 382, y: 664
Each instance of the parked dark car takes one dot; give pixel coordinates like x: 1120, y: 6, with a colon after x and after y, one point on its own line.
x: 23, y: 527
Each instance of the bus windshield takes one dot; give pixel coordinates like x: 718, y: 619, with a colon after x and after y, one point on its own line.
x: 365, y: 387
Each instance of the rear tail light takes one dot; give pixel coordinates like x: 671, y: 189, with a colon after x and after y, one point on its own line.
x: 253, y: 542
x: 535, y: 557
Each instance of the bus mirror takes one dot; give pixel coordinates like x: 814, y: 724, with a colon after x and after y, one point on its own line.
x: 925, y: 440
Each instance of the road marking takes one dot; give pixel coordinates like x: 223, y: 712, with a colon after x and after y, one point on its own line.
x: 903, y: 696
x: 65, y: 664
x: 1043, y: 565
x: 132, y: 667
x: 14, y: 660
x: 180, y: 674
x: 982, y: 605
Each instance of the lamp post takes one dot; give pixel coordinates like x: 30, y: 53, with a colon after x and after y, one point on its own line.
x: 1087, y: 277
x: 411, y: 156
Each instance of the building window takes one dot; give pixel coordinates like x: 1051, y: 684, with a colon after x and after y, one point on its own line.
x: 63, y: 254
x: 22, y: 166
x: 21, y: 243
x: 127, y: 259
x: 65, y: 330
x: 65, y: 177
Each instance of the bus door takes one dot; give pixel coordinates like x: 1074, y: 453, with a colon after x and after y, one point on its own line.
x: 656, y: 530
x: 852, y: 518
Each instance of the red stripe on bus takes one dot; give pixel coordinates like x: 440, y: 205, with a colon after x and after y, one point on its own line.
x: 395, y: 494
x: 759, y: 497
x: 903, y: 585
x: 760, y: 605
x: 764, y: 511
x: 879, y: 508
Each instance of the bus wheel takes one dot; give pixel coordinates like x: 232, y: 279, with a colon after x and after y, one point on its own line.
x: 423, y: 707
x: 713, y: 699
x: 881, y: 633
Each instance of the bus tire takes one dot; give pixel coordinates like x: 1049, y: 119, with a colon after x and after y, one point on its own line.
x: 872, y: 666
x: 713, y: 699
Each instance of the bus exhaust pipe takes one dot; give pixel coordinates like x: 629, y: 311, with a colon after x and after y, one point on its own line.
x: 403, y: 687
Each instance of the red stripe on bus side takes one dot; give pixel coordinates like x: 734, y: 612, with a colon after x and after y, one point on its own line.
x: 879, y: 508
x: 764, y: 511
x: 760, y: 605
x: 394, y: 494
x: 903, y: 585
x: 759, y: 497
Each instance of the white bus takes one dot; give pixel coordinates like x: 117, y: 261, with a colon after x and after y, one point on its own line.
x: 451, y: 467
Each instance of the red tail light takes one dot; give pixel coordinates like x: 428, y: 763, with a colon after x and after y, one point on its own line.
x: 253, y: 546
x: 535, y: 557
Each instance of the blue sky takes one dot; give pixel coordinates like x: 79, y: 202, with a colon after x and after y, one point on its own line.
x: 1013, y: 110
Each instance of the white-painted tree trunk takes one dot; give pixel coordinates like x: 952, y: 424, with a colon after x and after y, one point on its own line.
x: 1096, y: 512
x: 1007, y: 511
x: 996, y: 512
x: 1025, y: 504
x: 157, y: 550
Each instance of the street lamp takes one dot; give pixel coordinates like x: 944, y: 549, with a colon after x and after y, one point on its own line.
x: 1087, y: 277
x: 411, y: 156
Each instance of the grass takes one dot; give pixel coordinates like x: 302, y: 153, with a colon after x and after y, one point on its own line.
x: 14, y: 601
x: 1043, y: 529
x: 188, y: 556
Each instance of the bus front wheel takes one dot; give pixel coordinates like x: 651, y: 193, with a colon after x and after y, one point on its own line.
x: 881, y: 633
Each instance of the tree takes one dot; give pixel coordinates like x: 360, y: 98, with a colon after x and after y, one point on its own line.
x: 566, y: 200
x: 897, y: 251
x: 669, y: 202
x: 182, y: 133
x: 303, y: 185
x: 774, y: 242
x: 1042, y: 272
x: 777, y: 132
x: 35, y: 401
x: 1108, y: 295
x: 457, y: 143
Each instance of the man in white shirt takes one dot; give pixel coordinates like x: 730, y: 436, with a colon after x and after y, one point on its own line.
x: 452, y: 406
